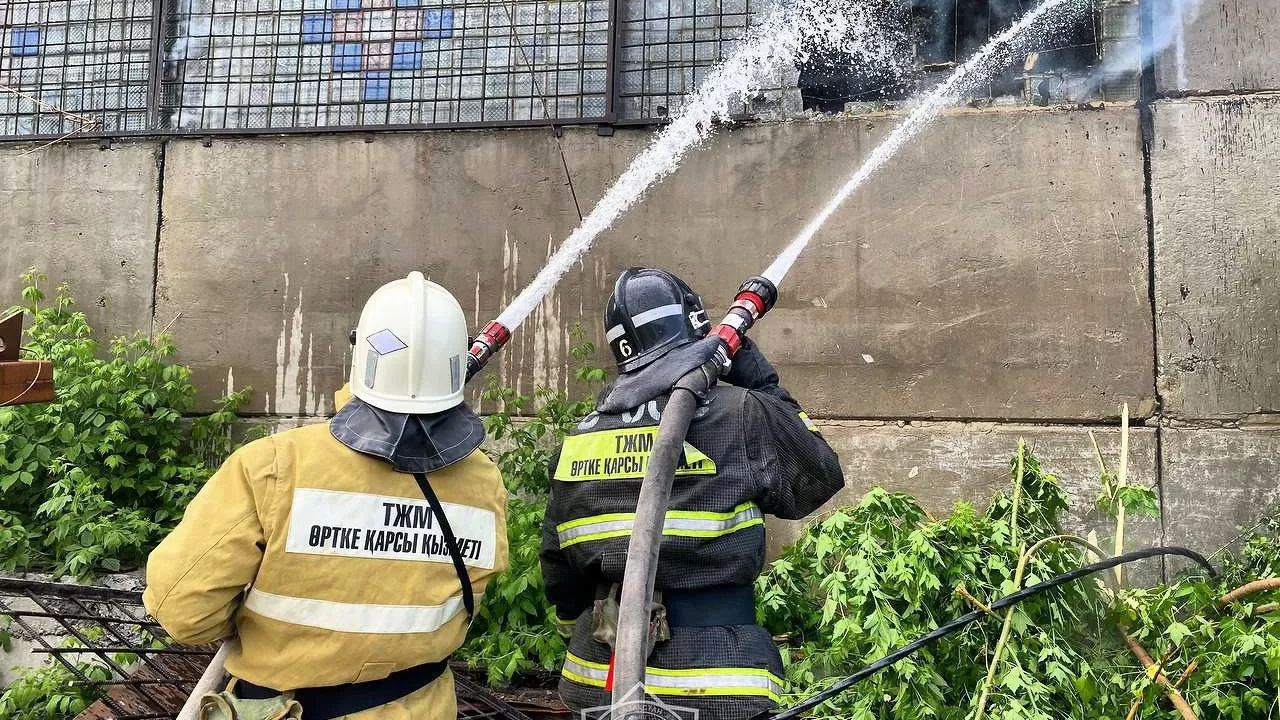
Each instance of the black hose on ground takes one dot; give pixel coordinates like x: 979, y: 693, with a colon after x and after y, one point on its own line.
x: 964, y: 620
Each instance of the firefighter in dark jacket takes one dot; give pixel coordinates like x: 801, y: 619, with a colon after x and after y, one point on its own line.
x: 750, y: 450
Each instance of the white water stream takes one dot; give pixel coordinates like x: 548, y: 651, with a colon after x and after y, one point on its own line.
x: 1034, y: 29
x: 781, y: 38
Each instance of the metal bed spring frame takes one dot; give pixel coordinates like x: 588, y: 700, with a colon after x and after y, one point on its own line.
x: 100, y: 624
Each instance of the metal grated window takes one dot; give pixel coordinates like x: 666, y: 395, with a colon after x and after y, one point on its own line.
x: 74, y: 65
x: 666, y: 48
x: 111, y: 67
x: 281, y: 64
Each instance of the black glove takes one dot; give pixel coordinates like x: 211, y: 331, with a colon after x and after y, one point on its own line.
x: 750, y: 370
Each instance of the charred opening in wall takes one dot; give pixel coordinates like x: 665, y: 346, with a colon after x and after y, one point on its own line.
x: 941, y: 34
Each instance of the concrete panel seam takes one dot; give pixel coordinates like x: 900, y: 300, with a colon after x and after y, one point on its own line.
x: 161, y: 153
x: 1216, y: 94
x: 1146, y: 124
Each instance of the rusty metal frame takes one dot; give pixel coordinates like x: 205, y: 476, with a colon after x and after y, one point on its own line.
x: 125, y: 628
x: 178, y: 134
x: 75, y: 609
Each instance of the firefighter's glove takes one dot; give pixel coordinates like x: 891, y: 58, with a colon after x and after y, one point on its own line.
x: 226, y: 706
x: 659, y: 630
x: 750, y: 370
x: 604, y: 619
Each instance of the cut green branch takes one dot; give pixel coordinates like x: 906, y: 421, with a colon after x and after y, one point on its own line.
x: 1007, y: 626
x: 1121, y: 479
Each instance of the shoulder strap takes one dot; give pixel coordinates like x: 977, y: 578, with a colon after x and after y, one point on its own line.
x: 468, y: 599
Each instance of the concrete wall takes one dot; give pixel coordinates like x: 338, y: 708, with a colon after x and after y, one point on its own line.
x: 1215, y: 180
x: 1009, y: 258
x: 87, y: 217
x: 1002, y: 278
x: 1216, y: 207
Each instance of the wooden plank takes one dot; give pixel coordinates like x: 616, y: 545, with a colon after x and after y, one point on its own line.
x: 25, y: 382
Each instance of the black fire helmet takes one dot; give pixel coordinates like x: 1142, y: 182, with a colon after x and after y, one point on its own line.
x: 650, y: 313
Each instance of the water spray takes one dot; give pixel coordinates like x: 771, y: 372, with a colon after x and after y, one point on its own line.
x: 692, y: 127
x: 964, y: 77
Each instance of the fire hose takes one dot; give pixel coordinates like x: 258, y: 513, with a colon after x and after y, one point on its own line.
x: 755, y: 297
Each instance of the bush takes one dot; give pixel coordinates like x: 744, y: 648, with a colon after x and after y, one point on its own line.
x: 514, y: 632
x: 51, y: 693
x: 1229, y: 655
x: 92, y: 481
x: 868, y: 579
x: 865, y: 580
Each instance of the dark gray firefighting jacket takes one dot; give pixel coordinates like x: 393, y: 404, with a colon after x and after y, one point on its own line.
x: 747, y: 453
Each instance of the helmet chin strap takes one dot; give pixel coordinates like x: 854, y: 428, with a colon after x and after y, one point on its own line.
x: 698, y: 319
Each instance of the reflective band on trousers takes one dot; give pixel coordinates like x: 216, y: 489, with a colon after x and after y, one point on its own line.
x: 354, y: 617
x: 565, y: 627
x: 698, y: 681
x: 680, y: 523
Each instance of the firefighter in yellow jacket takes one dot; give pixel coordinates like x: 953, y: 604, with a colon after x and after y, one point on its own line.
x: 347, y: 557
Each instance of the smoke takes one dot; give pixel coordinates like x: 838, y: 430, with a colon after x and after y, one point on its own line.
x: 194, y: 31
x: 1168, y: 20
x: 957, y: 28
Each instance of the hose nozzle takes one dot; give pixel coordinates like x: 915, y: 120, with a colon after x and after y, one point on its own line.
x: 489, y: 341
x: 755, y: 297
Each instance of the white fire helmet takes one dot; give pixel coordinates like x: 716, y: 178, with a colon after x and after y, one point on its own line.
x: 410, y: 353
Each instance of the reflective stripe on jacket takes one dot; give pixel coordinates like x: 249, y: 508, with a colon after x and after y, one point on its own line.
x: 350, y: 578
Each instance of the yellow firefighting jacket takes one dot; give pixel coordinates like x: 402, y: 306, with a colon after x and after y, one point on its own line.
x: 350, y: 579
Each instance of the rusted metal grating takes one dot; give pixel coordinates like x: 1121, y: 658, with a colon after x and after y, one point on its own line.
x: 78, y: 626
x: 148, y: 675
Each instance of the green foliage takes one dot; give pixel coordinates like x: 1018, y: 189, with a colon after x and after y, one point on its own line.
x: 52, y: 692
x: 91, y: 481
x: 868, y: 579
x: 514, y: 632
x: 1236, y: 649
x: 1135, y: 499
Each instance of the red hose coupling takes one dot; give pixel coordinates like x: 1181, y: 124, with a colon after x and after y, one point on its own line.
x: 489, y: 341
x: 751, y: 302
x: 730, y: 336
x: 761, y: 291
x: 496, y: 334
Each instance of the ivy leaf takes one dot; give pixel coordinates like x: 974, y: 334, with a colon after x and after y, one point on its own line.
x: 1178, y: 632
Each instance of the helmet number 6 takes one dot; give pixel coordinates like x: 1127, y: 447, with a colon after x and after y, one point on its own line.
x: 624, y: 347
